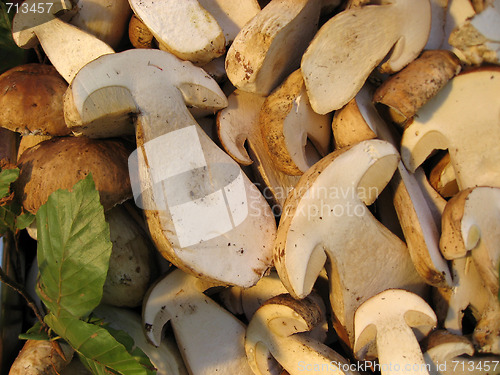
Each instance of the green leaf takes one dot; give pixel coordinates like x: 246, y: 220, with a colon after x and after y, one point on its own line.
x: 101, y: 352
x: 23, y: 221
x: 12, y: 55
x: 73, y: 250
x: 7, y: 219
x: 35, y: 333
x: 7, y: 176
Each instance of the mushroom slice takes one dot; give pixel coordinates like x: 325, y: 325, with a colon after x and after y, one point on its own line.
x: 443, y: 179
x: 31, y: 98
x: 211, y: 339
x: 139, y: 34
x: 326, y: 217
x: 470, y: 222
x: 106, y: 19
x: 248, y: 300
x: 445, y: 123
x: 442, y: 348
x: 288, y: 122
x: 447, y: 15
x: 349, y: 127
x: 203, y: 213
x: 384, y: 325
x: 350, y: 45
x: 277, y: 334
x: 269, y: 47
x: 479, y: 37
x: 449, y: 354
x: 419, y: 225
x: 239, y: 124
x: 231, y: 15
x: 183, y: 28
x: 165, y: 357
x: 59, y: 163
x: 408, y: 90
x: 67, y: 47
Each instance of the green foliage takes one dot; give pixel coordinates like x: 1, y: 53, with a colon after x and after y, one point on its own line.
x: 73, y: 258
x: 35, y: 333
x: 7, y: 176
x: 89, y: 341
x: 11, y: 216
x: 73, y: 250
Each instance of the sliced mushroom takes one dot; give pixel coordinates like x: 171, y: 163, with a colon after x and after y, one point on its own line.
x: 478, y: 38
x: 204, y: 214
x: 447, y: 15
x: 106, y: 19
x: 183, y: 28
x: 349, y: 127
x: 445, y: 123
x: 165, y: 357
x: 467, y: 291
x: 277, y: 336
x: 408, y: 90
x: 237, y: 125
x: 31, y: 98
x: 326, y: 217
x: 231, y: 15
x: 210, y: 339
x: 296, y: 136
x: 139, y: 34
x: 59, y: 163
x: 351, y: 44
x: 247, y: 300
x: 470, y: 223
x: 268, y: 48
x: 417, y: 220
x: 67, y: 47
x: 449, y: 354
x: 443, y: 179
x: 383, y: 326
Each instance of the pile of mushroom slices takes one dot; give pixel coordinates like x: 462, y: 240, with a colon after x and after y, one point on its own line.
x: 324, y: 176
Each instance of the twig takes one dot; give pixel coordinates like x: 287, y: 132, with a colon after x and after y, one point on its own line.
x: 20, y: 289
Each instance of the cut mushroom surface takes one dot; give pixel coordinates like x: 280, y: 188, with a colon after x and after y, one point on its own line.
x: 210, y: 339
x: 269, y: 47
x: 326, y: 217
x: 478, y: 38
x: 106, y: 19
x: 277, y: 337
x: 237, y: 127
x: 351, y: 44
x: 183, y: 28
x: 384, y: 325
x: 416, y: 218
x: 203, y: 213
x: 67, y: 47
x: 463, y: 118
x: 296, y: 136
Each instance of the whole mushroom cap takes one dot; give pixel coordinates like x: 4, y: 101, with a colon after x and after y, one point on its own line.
x: 59, y: 163
x: 31, y: 98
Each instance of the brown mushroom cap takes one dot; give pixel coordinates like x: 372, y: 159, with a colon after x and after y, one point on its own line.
x: 31, y: 98
x: 59, y: 163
